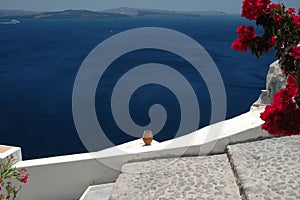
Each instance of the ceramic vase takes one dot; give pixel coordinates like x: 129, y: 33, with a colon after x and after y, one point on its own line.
x: 147, y: 137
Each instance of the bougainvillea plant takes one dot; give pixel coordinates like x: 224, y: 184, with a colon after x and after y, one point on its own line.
x: 11, y: 179
x: 281, y: 30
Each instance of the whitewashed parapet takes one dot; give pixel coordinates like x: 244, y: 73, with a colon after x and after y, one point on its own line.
x: 6, y: 151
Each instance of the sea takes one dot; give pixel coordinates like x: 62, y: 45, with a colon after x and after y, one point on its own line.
x: 40, y: 59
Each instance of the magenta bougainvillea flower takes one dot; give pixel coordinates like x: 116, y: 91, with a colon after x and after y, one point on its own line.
x: 281, y: 30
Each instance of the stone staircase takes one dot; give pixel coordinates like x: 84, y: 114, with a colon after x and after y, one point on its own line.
x: 266, y: 169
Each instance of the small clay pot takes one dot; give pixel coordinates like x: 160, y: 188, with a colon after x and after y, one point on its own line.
x: 147, y: 137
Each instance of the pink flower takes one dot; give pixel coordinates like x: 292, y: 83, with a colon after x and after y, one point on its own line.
x: 24, y: 178
x: 252, y: 9
x: 295, y: 52
x: 272, y: 42
x: 278, y: 18
x: 22, y: 170
x: 245, y: 39
x: 282, y: 117
x: 276, y: 7
x: 291, y: 10
x: 296, y: 20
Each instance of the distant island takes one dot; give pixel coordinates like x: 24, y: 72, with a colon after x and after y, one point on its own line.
x: 110, y: 13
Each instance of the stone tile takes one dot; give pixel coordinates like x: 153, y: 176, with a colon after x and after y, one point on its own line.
x: 268, y: 169
x: 208, y: 177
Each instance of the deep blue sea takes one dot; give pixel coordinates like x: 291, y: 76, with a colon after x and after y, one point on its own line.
x: 39, y: 60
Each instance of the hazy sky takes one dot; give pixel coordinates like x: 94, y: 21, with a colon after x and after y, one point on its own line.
x: 231, y: 6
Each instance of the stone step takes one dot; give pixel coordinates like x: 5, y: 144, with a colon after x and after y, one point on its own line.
x: 208, y: 177
x: 267, y: 169
x: 98, y: 192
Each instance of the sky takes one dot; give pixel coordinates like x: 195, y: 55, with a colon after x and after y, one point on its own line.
x: 230, y: 6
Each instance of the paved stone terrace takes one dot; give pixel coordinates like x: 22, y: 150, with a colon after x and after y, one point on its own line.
x: 266, y: 169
